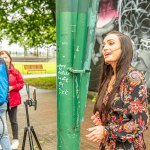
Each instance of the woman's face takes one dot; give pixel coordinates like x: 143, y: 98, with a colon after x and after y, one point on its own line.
x: 111, y: 49
x: 6, y: 59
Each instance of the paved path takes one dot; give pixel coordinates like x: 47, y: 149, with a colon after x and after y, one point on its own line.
x: 44, y: 121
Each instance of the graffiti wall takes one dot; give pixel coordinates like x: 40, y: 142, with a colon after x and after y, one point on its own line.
x: 134, y: 20
x: 132, y: 17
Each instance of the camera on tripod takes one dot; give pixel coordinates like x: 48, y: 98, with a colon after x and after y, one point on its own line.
x: 29, y: 130
x: 31, y: 101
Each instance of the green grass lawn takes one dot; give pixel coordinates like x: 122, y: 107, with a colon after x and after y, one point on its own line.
x: 49, y: 66
x: 39, y: 82
x: 42, y: 82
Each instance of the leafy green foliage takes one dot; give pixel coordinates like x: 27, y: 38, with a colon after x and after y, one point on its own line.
x: 42, y: 82
x: 30, y: 23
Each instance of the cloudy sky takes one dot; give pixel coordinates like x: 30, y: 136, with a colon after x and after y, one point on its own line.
x: 14, y: 47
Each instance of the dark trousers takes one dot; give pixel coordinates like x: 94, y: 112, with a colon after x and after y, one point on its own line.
x: 12, y: 113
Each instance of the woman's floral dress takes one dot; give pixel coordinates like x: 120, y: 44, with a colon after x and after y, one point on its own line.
x: 128, y: 116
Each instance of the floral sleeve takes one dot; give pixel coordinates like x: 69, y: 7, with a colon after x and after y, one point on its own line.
x: 134, y: 117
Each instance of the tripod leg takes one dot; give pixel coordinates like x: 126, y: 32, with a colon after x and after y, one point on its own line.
x: 30, y: 139
x: 24, y: 138
x: 27, y: 130
x: 36, y: 139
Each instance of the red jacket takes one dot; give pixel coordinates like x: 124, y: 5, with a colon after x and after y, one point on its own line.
x: 15, y: 80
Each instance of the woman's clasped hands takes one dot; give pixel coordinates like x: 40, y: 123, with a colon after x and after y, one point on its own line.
x: 98, y: 132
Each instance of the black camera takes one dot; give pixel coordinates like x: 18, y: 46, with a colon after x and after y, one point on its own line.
x: 31, y: 101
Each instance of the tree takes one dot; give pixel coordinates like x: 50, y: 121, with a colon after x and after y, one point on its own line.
x: 30, y: 23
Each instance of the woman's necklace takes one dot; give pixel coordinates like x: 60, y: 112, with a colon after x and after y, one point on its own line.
x: 111, y: 83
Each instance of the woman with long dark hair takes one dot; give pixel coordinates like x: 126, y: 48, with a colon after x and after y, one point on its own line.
x: 120, y: 112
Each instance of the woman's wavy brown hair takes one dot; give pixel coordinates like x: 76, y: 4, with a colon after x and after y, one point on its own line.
x: 107, y: 71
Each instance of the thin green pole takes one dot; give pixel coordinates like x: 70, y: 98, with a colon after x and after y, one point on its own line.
x: 78, y: 59
x: 72, y: 29
x: 92, y: 18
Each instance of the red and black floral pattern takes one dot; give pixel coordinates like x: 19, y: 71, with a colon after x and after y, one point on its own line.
x: 128, y: 116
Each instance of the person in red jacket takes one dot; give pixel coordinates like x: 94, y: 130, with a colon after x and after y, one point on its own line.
x: 16, y: 83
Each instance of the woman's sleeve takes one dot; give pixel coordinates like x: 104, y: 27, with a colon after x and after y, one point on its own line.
x: 20, y: 82
x: 3, y: 82
x: 135, y: 110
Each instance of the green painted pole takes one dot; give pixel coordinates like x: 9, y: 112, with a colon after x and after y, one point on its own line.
x: 78, y: 60
x: 67, y: 137
x: 73, y: 27
x: 92, y: 18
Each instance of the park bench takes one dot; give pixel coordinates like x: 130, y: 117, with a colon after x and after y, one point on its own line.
x: 34, y: 67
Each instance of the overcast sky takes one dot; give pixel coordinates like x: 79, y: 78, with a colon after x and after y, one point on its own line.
x: 16, y: 48
x: 13, y: 47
